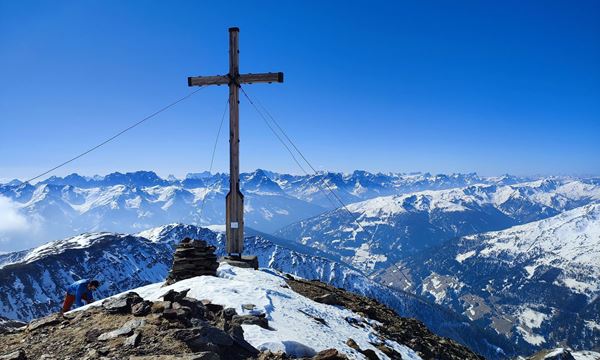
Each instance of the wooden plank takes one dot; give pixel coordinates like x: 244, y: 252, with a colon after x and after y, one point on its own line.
x: 261, y: 78
x: 234, y: 213
x: 208, y: 80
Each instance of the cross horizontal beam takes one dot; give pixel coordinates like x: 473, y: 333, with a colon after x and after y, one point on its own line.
x: 241, y: 79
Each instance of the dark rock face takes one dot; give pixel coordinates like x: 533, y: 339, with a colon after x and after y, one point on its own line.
x: 192, y: 258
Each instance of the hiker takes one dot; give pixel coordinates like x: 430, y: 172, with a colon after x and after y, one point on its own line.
x: 78, y: 292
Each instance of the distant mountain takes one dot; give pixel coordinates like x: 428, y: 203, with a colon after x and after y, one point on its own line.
x: 32, y: 283
x: 395, y: 227
x: 129, y: 202
x: 538, y: 283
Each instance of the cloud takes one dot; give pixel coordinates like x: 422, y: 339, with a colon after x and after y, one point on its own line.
x: 11, y: 220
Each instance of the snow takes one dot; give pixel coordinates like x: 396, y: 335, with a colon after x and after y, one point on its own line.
x: 570, y: 240
x: 586, y: 355
x: 592, y: 325
x: 578, y: 355
x: 218, y: 228
x: 462, y: 257
x: 60, y: 246
x: 291, y: 315
x: 578, y: 286
x: 364, y: 257
x: 533, y: 319
x: 554, y: 353
x: 531, y: 338
x: 530, y: 270
x: 529, y: 320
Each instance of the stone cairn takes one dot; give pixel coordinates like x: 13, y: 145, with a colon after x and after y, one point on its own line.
x: 192, y: 258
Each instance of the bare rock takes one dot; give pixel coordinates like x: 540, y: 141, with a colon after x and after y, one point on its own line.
x: 133, y: 340
x: 368, y: 353
x: 91, y: 354
x: 196, y: 307
x: 207, y: 355
x: 126, y: 329
x: 176, y: 314
x: 198, y: 338
x: 16, y: 355
x: 10, y: 326
x: 141, y: 309
x: 122, y: 304
x: 160, y: 306
x: 248, y: 307
x: 175, y: 296
x: 329, y: 299
x: 228, y: 314
x: 92, y: 335
x: 268, y: 355
x: 251, y: 320
x: 237, y: 334
x: 329, y: 354
x: 43, y: 322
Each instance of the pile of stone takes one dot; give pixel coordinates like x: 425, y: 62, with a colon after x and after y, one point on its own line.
x: 192, y: 258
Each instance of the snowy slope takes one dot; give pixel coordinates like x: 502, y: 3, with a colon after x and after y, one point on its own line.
x: 292, y: 330
x: 34, y: 287
x: 537, y: 283
x: 394, y: 227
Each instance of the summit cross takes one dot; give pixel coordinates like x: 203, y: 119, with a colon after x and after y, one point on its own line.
x: 234, y: 202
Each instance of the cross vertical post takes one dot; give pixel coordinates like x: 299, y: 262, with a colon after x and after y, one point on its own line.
x: 234, y: 201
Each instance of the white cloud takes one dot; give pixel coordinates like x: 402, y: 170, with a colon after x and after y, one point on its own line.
x: 11, y: 220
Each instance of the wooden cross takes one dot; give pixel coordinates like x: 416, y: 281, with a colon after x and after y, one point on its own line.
x: 234, y: 202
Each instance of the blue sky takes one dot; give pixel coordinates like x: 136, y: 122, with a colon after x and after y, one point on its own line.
x: 503, y: 87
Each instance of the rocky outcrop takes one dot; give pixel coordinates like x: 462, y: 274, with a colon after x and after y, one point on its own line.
x: 409, y: 332
x: 8, y: 325
x: 192, y: 258
x: 178, y: 327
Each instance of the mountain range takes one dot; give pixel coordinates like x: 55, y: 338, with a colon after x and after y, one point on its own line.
x: 376, y: 233
x: 60, y: 207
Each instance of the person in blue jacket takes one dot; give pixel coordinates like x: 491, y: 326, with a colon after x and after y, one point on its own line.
x: 78, y: 292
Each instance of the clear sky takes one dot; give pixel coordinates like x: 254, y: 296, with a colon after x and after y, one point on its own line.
x: 440, y: 86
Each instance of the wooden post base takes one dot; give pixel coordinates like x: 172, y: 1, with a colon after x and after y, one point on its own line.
x: 245, y: 261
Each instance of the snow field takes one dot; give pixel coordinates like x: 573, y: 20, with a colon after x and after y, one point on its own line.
x: 292, y: 317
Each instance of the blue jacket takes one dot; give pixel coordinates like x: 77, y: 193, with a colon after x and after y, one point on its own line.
x: 79, y: 289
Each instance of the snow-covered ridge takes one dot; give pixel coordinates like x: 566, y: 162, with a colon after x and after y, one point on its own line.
x: 389, y: 228
x: 553, y: 194
x: 60, y: 207
x: 291, y: 315
x: 59, y: 246
x: 573, y: 236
